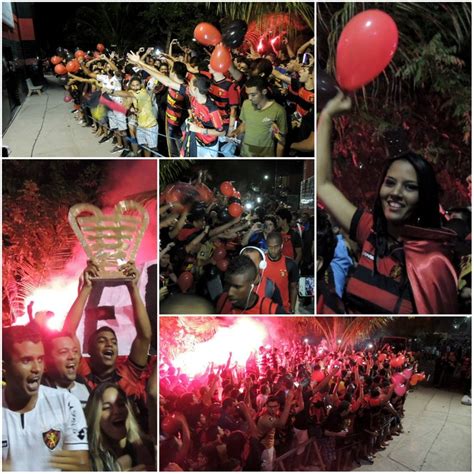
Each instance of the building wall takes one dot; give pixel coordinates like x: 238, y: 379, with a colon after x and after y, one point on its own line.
x: 19, y: 57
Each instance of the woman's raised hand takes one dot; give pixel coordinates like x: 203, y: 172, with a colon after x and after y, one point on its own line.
x: 338, y: 105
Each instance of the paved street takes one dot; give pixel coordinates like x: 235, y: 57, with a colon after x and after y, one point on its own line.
x: 437, y: 435
x: 45, y: 127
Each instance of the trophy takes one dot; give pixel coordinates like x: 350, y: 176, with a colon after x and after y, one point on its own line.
x: 110, y: 240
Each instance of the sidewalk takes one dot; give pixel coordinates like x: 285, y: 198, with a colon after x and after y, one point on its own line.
x: 437, y: 435
x: 45, y: 127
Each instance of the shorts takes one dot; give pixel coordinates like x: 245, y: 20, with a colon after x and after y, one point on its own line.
x: 148, y: 136
x: 132, y: 121
x: 117, y: 121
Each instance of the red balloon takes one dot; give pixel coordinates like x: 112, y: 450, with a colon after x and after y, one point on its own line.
x: 219, y: 254
x: 235, y: 209
x: 79, y: 53
x: 96, y: 54
x: 100, y: 47
x: 222, y: 265
x: 207, y: 34
x: 56, y: 59
x: 221, y: 59
x: 60, y: 69
x: 185, y: 281
x: 365, y: 48
x: 227, y: 189
x: 170, y: 425
x: 73, y: 66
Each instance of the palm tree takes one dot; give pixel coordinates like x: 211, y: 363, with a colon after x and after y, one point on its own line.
x: 256, y: 10
x: 171, y: 169
x: 340, y: 332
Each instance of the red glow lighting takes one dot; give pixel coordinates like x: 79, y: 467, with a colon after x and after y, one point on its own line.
x: 260, y: 46
x: 241, y: 339
x: 57, y: 296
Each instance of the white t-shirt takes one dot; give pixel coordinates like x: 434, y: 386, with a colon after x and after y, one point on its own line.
x: 112, y: 83
x: 56, y: 423
x: 79, y: 390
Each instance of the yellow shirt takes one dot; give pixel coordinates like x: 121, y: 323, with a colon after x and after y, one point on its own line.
x: 145, y: 116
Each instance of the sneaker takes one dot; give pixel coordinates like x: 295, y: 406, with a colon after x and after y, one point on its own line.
x: 116, y: 149
x: 124, y: 153
x: 105, y: 139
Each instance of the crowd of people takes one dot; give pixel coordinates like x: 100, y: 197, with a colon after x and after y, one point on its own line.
x: 175, y: 104
x: 260, y: 262
x: 346, y: 404
x: 402, y: 257
x: 62, y: 411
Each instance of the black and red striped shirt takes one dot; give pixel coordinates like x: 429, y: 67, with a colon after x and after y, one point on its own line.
x: 263, y: 305
x: 302, y: 97
x: 205, y: 115
x: 378, y: 284
x: 175, y: 106
x: 225, y: 95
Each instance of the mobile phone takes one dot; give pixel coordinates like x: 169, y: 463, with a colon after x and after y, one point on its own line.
x: 306, y: 286
x: 306, y: 59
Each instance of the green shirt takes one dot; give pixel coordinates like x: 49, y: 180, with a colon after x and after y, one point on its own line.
x: 258, y: 138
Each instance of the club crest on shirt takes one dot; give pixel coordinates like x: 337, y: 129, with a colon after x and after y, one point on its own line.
x: 51, y: 438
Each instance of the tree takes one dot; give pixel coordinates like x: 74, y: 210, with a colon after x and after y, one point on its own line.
x: 37, y: 238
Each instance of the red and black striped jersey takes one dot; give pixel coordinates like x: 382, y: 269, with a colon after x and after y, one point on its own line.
x: 175, y: 106
x: 263, y: 305
x: 302, y: 97
x: 205, y: 115
x: 378, y: 284
x: 225, y: 95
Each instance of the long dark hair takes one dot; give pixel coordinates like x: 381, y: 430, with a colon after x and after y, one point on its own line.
x: 427, y: 210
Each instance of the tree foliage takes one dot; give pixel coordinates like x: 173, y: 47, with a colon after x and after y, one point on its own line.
x: 37, y: 238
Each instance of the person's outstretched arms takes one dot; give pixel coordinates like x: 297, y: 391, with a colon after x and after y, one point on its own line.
x: 141, y: 343
x: 134, y: 58
x: 336, y: 203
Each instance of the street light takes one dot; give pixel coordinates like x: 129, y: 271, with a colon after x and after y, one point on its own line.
x: 266, y: 177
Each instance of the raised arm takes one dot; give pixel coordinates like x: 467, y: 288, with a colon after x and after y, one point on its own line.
x: 81, y: 79
x: 165, y: 80
x: 141, y: 343
x: 73, y: 318
x: 303, y: 47
x: 110, y: 63
x: 336, y: 203
x: 224, y: 227
x: 281, y: 77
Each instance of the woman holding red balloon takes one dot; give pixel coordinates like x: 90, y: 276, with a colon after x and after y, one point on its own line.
x: 405, y: 265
